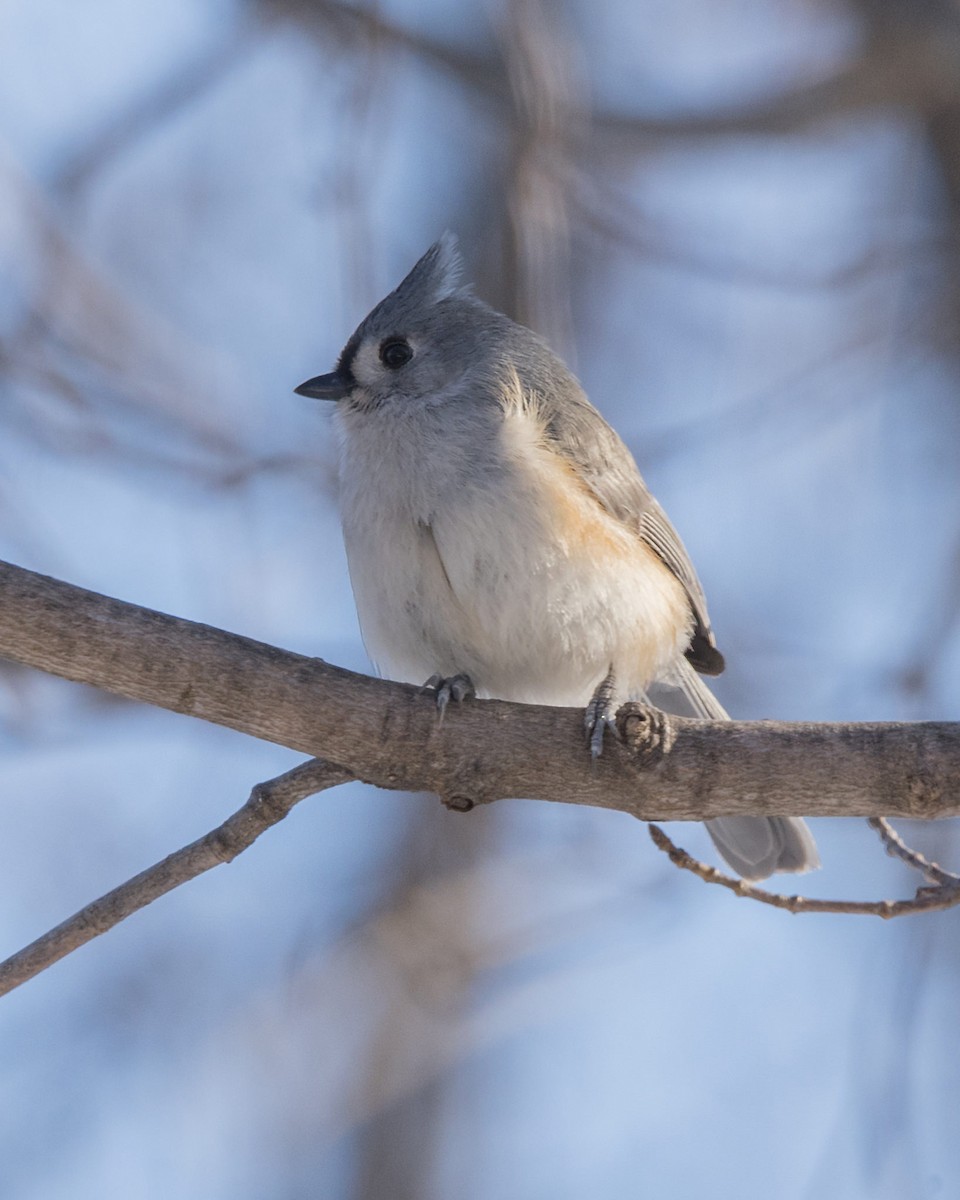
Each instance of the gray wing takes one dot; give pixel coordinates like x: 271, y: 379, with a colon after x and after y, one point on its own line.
x: 606, y: 466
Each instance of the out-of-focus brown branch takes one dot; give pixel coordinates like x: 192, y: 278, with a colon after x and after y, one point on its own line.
x: 917, y: 68
x: 915, y: 64
x: 548, y: 110
x: 72, y: 311
x: 347, y: 21
x: 160, y: 104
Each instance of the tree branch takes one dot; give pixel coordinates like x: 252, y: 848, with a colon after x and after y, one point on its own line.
x: 926, y: 899
x: 896, y: 847
x: 268, y: 803
x: 387, y: 734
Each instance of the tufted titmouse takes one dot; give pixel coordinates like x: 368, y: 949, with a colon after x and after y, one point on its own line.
x: 500, y: 538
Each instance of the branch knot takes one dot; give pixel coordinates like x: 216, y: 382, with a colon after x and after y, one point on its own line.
x: 458, y: 803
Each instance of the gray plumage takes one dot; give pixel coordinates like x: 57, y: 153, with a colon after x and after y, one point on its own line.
x: 498, y: 528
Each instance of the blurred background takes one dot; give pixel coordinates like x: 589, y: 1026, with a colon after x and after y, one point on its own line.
x: 737, y: 219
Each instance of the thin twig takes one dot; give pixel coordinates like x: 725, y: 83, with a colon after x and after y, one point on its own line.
x: 269, y: 803
x: 896, y: 847
x: 926, y: 899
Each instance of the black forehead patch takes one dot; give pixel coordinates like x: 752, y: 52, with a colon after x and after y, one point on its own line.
x: 348, y: 354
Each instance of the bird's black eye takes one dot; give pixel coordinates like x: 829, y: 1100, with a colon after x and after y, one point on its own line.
x: 395, y: 352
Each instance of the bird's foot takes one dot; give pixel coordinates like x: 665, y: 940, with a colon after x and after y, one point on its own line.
x: 601, y: 714
x: 456, y: 688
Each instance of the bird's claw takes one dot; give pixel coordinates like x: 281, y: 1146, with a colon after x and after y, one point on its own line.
x: 601, y: 715
x: 455, y: 687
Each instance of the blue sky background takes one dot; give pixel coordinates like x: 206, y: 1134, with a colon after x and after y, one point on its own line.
x: 736, y: 220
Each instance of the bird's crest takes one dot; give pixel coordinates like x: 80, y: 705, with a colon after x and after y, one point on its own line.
x: 435, y: 276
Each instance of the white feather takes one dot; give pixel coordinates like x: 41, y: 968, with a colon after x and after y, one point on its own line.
x: 512, y: 573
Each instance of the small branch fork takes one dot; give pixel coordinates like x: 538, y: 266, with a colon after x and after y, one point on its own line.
x: 942, y: 892
x: 269, y: 803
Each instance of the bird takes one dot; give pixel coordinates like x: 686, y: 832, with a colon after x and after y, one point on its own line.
x: 500, y: 539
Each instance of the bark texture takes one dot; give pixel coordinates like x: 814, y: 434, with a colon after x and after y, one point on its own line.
x: 388, y: 734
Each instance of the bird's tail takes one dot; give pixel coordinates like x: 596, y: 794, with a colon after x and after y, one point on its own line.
x: 754, y: 846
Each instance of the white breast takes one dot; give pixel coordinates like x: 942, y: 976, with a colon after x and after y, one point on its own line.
x: 483, y: 553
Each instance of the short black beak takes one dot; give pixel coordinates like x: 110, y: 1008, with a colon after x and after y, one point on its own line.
x: 326, y: 387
